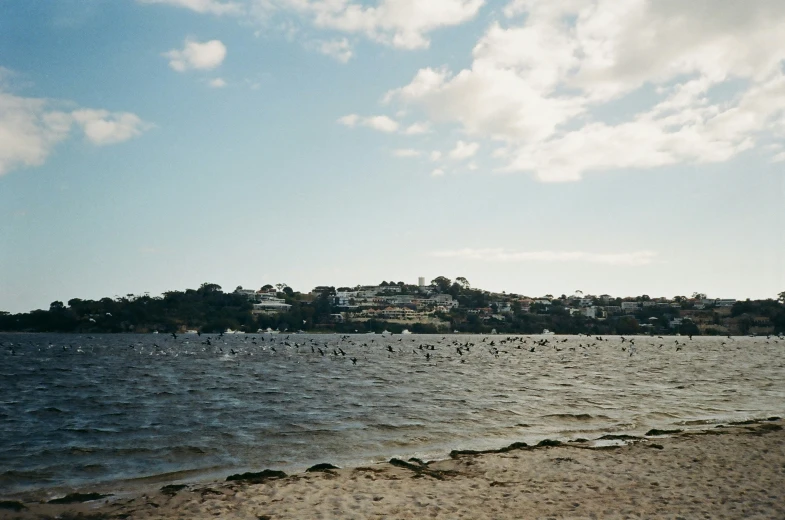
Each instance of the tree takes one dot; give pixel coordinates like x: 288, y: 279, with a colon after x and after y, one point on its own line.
x: 209, y: 288
x: 745, y: 322
x: 442, y: 283
x: 688, y: 328
x: 266, y: 287
x: 463, y: 282
x: 627, y: 325
x: 383, y: 284
x: 781, y: 298
x: 56, y: 306
x: 699, y: 296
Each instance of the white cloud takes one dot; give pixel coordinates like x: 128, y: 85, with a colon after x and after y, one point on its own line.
x: 660, y: 137
x: 635, y: 258
x: 780, y: 157
x: 202, y: 6
x: 30, y: 128
x: 102, y: 127
x: 436, y: 155
x: 406, y: 152
x: 350, y: 120
x: 545, y: 84
x: 464, y: 150
x: 438, y: 172
x: 403, y: 24
x: 380, y: 123
x: 28, y: 131
x: 385, y: 124
x: 217, y: 83
x: 195, y: 55
x: 340, y: 50
x: 418, y: 128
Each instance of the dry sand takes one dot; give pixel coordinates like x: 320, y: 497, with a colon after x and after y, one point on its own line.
x: 727, y: 472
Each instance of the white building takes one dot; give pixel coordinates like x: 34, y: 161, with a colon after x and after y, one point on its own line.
x: 725, y: 302
x: 629, y: 307
x: 388, y: 288
x: 503, y: 306
x: 367, y: 292
x: 345, y: 298
x: 248, y: 293
x: 441, y: 300
x: 271, y: 306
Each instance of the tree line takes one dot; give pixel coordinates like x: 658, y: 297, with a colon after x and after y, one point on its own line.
x: 209, y: 309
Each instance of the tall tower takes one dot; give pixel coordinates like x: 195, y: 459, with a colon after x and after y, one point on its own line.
x: 421, y: 281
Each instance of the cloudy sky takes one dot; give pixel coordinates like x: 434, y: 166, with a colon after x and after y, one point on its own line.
x: 533, y: 146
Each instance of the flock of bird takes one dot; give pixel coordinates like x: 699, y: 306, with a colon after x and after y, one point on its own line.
x: 430, y: 348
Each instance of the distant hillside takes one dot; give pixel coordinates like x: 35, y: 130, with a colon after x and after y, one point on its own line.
x: 442, y: 307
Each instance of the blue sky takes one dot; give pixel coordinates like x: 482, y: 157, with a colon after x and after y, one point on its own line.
x: 622, y: 147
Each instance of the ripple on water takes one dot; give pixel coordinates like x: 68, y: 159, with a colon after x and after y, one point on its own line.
x: 108, y: 413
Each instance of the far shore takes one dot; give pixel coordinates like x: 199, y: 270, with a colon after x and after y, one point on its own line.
x: 729, y: 471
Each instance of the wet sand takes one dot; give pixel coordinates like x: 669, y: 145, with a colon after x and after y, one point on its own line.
x: 734, y: 471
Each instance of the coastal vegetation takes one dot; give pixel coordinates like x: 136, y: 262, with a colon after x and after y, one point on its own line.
x: 209, y: 309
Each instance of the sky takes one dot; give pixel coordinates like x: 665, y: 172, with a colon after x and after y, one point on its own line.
x: 536, y: 147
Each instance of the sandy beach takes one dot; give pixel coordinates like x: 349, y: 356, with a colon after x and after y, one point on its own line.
x: 731, y: 471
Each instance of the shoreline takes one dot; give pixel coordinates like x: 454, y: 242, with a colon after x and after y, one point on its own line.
x: 747, y: 462
x: 133, y: 485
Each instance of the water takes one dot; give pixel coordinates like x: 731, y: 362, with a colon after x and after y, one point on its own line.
x: 80, y: 411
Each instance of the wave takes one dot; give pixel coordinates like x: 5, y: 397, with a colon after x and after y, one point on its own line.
x: 48, y: 409
x: 34, y: 475
x: 86, y: 430
x: 388, y: 426
x: 576, y: 417
x: 133, y: 416
x: 699, y: 422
